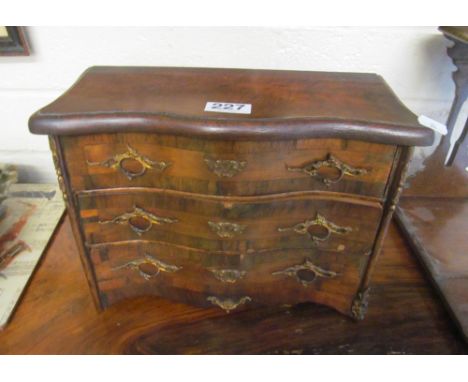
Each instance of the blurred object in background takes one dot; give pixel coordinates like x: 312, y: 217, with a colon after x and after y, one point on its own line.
x: 32, y: 212
x: 8, y: 175
x: 433, y: 210
x: 13, y: 41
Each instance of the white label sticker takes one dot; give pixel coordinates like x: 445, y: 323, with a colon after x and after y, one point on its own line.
x: 229, y: 107
x: 434, y: 125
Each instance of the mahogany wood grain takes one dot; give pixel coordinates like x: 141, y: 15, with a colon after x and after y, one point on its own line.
x: 436, y: 230
x: 193, y: 276
x: 261, y: 221
x: 429, y: 176
x: 265, y: 169
x: 266, y: 221
x: 316, y: 166
x: 57, y: 316
x: 285, y: 105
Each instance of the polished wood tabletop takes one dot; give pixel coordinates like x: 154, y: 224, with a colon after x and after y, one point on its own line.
x: 57, y: 316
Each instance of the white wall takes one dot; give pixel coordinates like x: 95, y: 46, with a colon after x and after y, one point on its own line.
x: 413, y: 60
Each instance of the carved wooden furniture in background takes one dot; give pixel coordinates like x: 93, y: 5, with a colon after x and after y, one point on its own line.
x: 287, y: 204
x: 459, y: 55
x: 433, y: 212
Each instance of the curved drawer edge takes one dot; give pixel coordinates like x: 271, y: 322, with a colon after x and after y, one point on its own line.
x: 296, y: 195
x: 219, y: 253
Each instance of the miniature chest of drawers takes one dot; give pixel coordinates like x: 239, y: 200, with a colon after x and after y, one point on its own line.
x: 230, y: 188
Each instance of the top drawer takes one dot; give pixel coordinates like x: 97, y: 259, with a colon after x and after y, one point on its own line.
x: 242, y: 168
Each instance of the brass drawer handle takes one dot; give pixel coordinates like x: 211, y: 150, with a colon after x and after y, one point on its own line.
x: 227, y: 275
x: 149, y: 260
x: 303, y: 228
x: 306, y: 273
x: 225, y: 168
x: 146, y: 164
x: 148, y: 217
x: 226, y: 229
x: 312, y: 169
x: 228, y: 304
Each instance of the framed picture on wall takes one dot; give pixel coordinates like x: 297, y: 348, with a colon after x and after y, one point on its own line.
x: 13, y: 41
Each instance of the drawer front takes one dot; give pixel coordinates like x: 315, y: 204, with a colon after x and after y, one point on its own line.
x: 232, y: 225
x: 227, y: 281
x: 227, y: 168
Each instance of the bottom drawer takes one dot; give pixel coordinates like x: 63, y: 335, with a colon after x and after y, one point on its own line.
x: 231, y: 282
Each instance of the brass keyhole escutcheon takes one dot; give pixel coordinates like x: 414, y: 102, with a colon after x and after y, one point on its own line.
x: 318, y: 229
x: 139, y: 220
x: 330, y: 170
x: 306, y: 276
x: 148, y: 266
x: 139, y: 224
x: 318, y: 232
x: 329, y: 175
x: 306, y: 273
x: 131, y: 163
x: 131, y: 167
x: 148, y: 270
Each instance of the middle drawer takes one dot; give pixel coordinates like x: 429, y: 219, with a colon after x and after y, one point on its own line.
x: 229, y: 225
